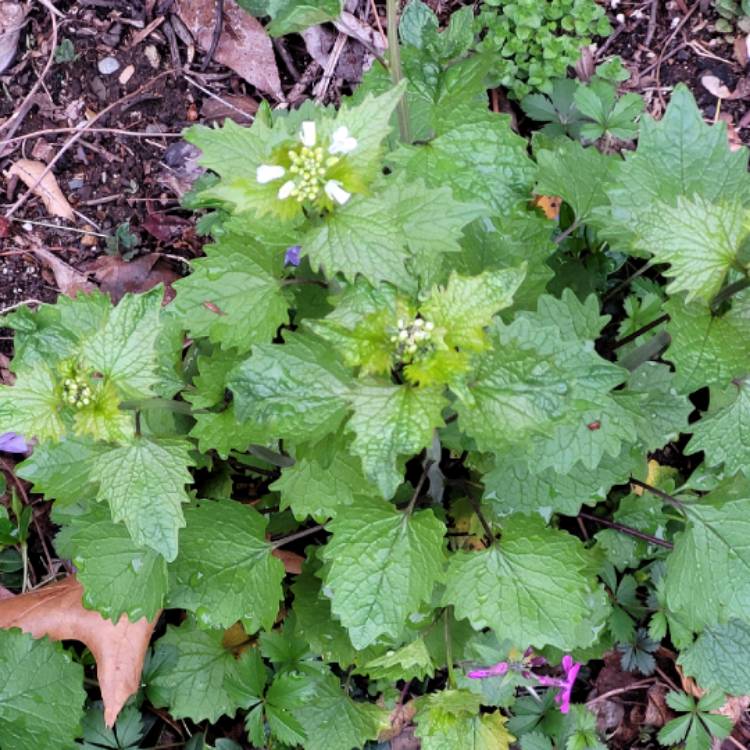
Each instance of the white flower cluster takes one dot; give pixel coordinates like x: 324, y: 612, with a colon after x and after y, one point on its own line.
x: 76, y: 392
x: 412, y: 337
x: 309, y: 166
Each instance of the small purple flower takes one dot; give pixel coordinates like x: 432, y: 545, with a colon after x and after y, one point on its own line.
x: 496, y: 670
x: 12, y: 442
x: 292, y: 255
x: 570, y: 670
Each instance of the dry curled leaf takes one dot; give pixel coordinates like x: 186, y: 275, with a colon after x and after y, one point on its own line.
x: 243, y: 45
x: 47, y: 189
x: 68, y: 280
x: 57, y: 611
x: 118, y: 277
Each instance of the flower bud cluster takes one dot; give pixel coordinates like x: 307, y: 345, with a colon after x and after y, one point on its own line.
x: 412, y: 338
x: 309, y: 165
x: 77, y: 392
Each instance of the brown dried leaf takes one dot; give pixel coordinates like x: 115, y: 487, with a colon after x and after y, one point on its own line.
x: 68, y: 280
x: 237, y: 107
x: 243, y: 45
x: 741, y: 49
x: 118, y: 277
x: 47, y: 188
x: 715, y: 87
x: 57, y: 611
x: 657, y: 711
x: 400, y: 718
x: 292, y: 561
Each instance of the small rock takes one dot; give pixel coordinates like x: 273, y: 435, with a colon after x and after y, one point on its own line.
x: 108, y: 65
x: 127, y: 74
x: 152, y: 55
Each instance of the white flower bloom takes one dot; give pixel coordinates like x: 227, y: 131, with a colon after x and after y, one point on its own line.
x: 308, y: 135
x: 335, y: 191
x: 286, y: 190
x: 342, y: 142
x: 268, y: 173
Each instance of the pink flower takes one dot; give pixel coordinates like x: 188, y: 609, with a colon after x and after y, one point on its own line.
x: 570, y: 668
x: 565, y: 684
x: 496, y: 670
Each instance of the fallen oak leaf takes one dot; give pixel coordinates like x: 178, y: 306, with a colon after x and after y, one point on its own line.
x: 118, y: 277
x: 57, y: 611
x: 47, y: 189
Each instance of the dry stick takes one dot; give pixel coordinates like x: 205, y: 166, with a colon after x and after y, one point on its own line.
x: 673, y: 501
x: 374, y: 9
x: 15, y: 120
x: 210, y: 93
x: 485, y: 525
x: 218, y: 28
x: 651, y: 23
x: 294, y: 537
x: 643, y: 329
x: 629, y: 530
x: 666, y: 44
x: 280, y: 47
x: 620, y: 691
x: 76, y: 136
x: 333, y: 60
x: 110, y: 131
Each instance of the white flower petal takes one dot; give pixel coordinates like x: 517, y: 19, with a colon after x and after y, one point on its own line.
x: 335, y: 191
x: 286, y: 190
x: 268, y: 173
x: 308, y: 135
x: 342, y: 142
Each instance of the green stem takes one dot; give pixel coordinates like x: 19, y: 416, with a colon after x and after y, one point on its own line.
x: 157, y: 403
x: 448, y: 648
x: 394, y: 59
x: 25, y: 560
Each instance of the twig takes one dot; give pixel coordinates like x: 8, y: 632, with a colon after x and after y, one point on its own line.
x: 673, y: 501
x: 629, y: 530
x: 620, y: 691
x: 280, y: 47
x: 651, y: 23
x: 15, y: 306
x: 294, y: 537
x: 633, y: 276
x: 666, y: 44
x: 77, y: 135
x: 210, y: 93
x: 112, y: 131
x: 376, y: 15
x: 643, y: 329
x: 485, y: 524
x: 333, y: 60
x: 666, y: 678
x: 218, y: 28
x: 298, y: 90
x: 15, y: 120
x: 418, y: 489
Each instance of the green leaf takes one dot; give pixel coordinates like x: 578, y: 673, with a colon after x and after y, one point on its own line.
x: 718, y: 657
x: 299, y: 390
x: 580, y: 176
x: 41, y: 693
x: 144, y: 484
x: 707, y: 350
x: 466, y: 305
x: 700, y: 240
x: 233, y: 295
x: 221, y: 431
x: 417, y: 24
x: 708, y: 572
x: 547, y: 386
x: 312, y: 488
x: 333, y: 721
x: 451, y: 719
x: 516, y: 486
x: 382, y: 564
x: 293, y: 16
x: 361, y: 238
x: 117, y: 575
x: 510, y: 589
x: 124, y: 349
x: 391, y: 422
x: 674, y: 731
x: 287, y: 693
x: 724, y: 435
x: 657, y: 172
x: 409, y: 662
x: 195, y: 676
x: 31, y: 407
x: 125, y: 735
x: 225, y: 571
x: 478, y: 156
x: 62, y: 470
